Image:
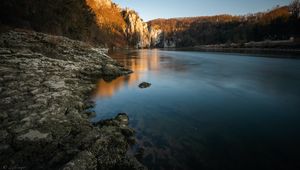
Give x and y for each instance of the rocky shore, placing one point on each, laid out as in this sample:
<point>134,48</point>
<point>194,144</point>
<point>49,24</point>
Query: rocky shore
<point>44,87</point>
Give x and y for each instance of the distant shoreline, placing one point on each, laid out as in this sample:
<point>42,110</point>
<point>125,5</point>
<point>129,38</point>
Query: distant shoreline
<point>274,52</point>
<point>246,49</point>
<point>278,52</point>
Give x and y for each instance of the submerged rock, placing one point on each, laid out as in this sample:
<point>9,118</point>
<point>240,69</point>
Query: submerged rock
<point>45,82</point>
<point>144,85</point>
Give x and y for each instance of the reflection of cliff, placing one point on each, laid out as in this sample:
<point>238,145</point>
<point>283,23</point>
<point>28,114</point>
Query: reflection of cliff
<point>141,63</point>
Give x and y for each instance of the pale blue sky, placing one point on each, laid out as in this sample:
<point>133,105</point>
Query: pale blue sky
<point>152,9</point>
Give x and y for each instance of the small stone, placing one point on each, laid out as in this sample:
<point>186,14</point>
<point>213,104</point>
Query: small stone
<point>144,85</point>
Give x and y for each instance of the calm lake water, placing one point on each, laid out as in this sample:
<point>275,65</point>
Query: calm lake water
<point>208,110</point>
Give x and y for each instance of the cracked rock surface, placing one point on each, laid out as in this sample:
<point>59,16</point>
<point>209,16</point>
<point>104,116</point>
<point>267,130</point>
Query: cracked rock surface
<point>44,87</point>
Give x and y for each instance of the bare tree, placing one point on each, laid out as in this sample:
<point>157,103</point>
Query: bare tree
<point>295,8</point>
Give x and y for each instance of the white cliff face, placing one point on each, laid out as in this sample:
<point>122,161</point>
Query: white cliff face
<point>155,36</point>
<point>137,30</point>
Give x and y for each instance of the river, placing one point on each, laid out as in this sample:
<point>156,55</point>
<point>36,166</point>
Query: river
<point>208,110</point>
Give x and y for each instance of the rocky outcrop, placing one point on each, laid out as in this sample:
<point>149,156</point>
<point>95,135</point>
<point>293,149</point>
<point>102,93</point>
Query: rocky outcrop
<point>155,36</point>
<point>99,22</point>
<point>44,84</point>
<point>136,30</point>
<point>139,33</point>
<point>125,21</point>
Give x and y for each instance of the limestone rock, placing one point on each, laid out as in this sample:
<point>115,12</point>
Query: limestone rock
<point>44,82</point>
<point>139,33</point>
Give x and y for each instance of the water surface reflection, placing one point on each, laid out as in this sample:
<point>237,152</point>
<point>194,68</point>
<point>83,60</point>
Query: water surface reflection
<point>208,110</point>
<point>139,63</point>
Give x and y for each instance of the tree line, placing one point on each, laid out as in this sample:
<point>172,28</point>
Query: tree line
<point>280,23</point>
<point>77,19</point>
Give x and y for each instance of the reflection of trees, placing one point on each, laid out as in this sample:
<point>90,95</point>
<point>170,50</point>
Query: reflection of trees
<point>140,63</point>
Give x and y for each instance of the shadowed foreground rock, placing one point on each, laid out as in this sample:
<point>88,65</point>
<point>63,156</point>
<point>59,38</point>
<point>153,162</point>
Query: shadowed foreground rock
<point>44,84</point>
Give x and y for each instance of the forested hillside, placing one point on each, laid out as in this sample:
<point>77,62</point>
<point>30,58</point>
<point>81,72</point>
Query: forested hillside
<point>71,18</point>
<point>280,23</point>
<point>110,22</point>
<point>104,23</point>
<point>98,22</point>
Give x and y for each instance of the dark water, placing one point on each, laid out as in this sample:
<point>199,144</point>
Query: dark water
<point>209,110</point>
